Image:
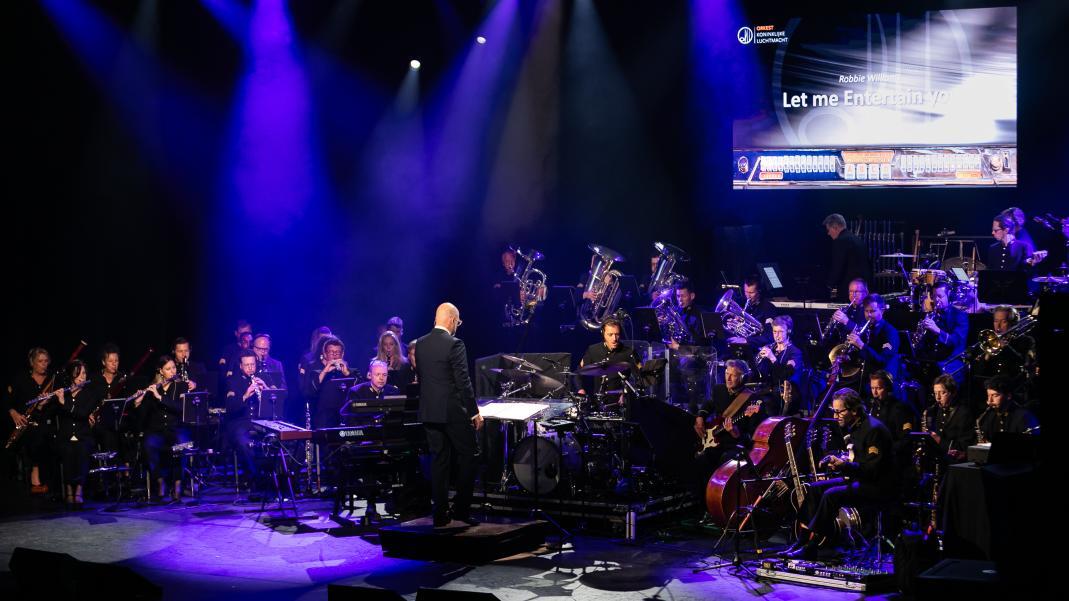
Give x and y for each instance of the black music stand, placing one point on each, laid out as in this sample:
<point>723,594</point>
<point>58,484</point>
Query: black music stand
<point>1002,287</point>
<point>272,400</point>
<point>195,408</point>
<point>646,325</point>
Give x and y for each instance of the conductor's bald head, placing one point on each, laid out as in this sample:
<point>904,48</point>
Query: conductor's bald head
<point>448,317</point>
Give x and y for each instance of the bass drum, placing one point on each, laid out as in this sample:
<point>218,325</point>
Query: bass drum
<point>553,460</point>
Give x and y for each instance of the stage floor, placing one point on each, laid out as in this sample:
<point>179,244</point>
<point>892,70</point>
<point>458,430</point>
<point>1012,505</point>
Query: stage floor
<point>221,549</point>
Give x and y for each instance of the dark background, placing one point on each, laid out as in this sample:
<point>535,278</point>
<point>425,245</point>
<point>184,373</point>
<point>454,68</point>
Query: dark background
<point>117,228</point>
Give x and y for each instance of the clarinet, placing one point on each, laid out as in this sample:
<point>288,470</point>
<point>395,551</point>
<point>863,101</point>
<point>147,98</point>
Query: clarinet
<point>979,433</point>
<point>308,445</point>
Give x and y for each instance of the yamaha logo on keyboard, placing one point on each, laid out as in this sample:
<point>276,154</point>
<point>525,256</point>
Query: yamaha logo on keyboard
<point>350,433</point>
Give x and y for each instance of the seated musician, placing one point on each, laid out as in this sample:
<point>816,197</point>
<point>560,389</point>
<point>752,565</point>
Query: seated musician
<point>108,385</point>
<point>852,316</point>
<point>243,390</point>
<point>869,475</point>
<point>188,369</point>
<point>763,311</point>
<point>74,435</point>
<point>1003,414</point>
<point>268,368</point>
<point>228,359</point>
<point>949,422</point>
<point>1013,359</point>
<point>782,362</point>
<point>609,351</point>
<point>739,425</point>
<point>391,352</point>
<point>327,401</point>
<point>376,387</point>
<point>315,348</point>
<point>160,412</point>
<point>1007,253</point>
<point>691,315</point>
<point>943,332</point>
<point>34,442</point>
<point>899,417</point>
<point>878,345</point>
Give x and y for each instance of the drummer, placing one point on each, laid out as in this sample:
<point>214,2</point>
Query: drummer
<point>608,353</point>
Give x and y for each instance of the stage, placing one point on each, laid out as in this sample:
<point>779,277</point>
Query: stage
<point>222,550</point>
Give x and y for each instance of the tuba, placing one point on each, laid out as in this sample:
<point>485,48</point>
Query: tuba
<point>662,293</point>
<point>602,293</point>
<point>735,318</point>
<point>532,289</point>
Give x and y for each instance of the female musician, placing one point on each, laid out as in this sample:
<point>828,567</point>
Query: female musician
<point>950,423</point>
<point>392,352</point>
<point>75,437</point>
<point>782,362</point>
<point>160,410</point>
<point>1007,253</point>
<point>28,385</point>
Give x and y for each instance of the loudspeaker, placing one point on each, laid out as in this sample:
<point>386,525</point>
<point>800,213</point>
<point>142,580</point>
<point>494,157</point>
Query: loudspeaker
<point>48,575</point>
<point>437,594</point>
<point>341,592</point>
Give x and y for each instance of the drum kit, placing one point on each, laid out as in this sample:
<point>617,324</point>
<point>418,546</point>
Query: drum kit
<point>920,280</point>
<point>563,446</point>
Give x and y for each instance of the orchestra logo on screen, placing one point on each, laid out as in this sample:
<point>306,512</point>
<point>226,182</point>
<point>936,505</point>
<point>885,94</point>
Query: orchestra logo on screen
<point>761,34</point>
<point>745,35</point>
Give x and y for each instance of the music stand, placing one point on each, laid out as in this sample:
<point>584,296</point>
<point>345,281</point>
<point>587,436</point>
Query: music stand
<point>713,326</point>
<point>646,325</point>
<point>272,400</point>
<point>195,408</point>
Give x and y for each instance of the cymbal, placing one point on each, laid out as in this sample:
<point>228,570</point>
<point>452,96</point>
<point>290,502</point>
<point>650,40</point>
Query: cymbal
<point>897,256</point>
<point>1051,279</point>
<point>889,273</point>
<point>603,369</point>
<point>538,381</point>
<point>521,362</point>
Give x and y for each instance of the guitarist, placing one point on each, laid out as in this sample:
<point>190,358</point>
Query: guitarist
<point>732,415</point>
<point>868,475</point>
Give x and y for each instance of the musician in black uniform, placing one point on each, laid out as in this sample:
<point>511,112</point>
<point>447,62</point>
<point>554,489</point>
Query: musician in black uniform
<point>763,311</point>
<point>1007,253</point>
<point>327,399</point>
<point>160,412</point>
<point>392,352</point>
<point>945,330</point>
<point>376,387</point>
<point>878,345</point>
<point>228,359</point>
<point>243,391</point>
<point>781,362</point>
<point>691,314</point>
<point>107,385</point>
<point>609,351</point>
<point>951,424</point>
<point>35,442</point>
<point>846,319</point>
<point>869,476</point>
<point>1014,358</point>
<point>449,414</point>
<point>849,257</point>
<point>74,437</point>
<point>188,370</point>
<point>1003,414</point>
<point>899,417</point>
<point>268,368</point>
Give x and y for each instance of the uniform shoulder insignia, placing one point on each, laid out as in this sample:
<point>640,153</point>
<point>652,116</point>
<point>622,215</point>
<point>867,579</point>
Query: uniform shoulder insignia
<point>907,426</point>
<point>874,450</point>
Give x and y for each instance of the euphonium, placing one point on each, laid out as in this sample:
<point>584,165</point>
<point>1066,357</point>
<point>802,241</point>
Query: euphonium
<point>847,356</point>
<point>532,285</point>
<point>662,290</point>
<point>735,318</point>
<point>602,293</point>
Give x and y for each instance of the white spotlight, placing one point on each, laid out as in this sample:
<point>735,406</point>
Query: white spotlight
<point>480,40</point>
<point>414,64</point>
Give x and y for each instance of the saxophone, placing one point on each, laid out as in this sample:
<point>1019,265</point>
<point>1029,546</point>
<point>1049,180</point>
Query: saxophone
<point>980,439</point>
